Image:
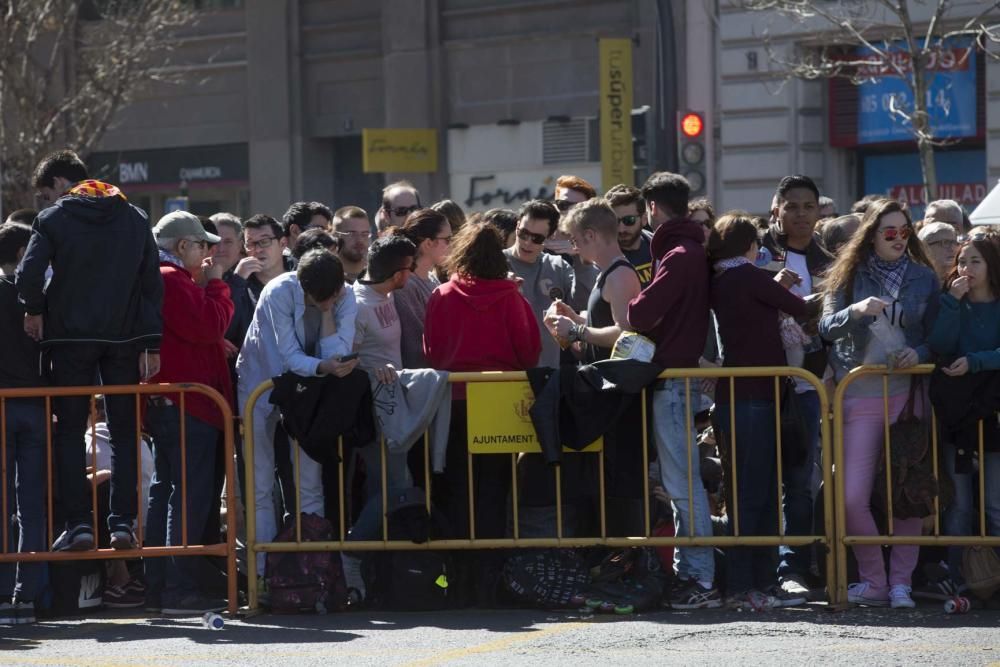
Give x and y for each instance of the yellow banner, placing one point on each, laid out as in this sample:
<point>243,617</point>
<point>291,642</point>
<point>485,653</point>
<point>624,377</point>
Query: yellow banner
<point>616,112</point>
<point>402,151</point>
<point>499,422</point>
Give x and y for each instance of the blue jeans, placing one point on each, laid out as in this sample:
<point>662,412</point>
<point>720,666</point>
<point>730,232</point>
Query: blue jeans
<point>797,502</point>
<point>959,515</point>
<point>756,492</point>
<point>25,440</point>
<point>670,420</point>
<point>176,576</point>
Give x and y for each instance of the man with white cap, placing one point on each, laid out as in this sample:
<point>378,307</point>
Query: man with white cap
<point>195,320</point>
<point>941,239</point>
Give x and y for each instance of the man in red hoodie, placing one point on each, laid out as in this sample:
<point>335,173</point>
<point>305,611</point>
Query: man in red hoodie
<point>673,312</point>
<point>195,320</point>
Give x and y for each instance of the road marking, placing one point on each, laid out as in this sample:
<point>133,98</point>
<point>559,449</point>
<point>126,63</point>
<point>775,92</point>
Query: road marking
<point>497,645</point>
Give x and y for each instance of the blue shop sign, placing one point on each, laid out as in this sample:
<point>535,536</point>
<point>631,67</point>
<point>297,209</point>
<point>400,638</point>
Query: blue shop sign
<point>951,96</point>
<point>961,176</point>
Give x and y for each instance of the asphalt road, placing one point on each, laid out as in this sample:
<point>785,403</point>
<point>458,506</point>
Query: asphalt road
<point>787,637</point>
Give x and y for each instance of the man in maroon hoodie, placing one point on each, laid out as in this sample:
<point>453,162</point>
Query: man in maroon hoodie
<point>673,312</point>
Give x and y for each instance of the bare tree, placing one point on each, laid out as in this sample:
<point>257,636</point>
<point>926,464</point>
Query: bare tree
<point>863,39</point>
<point>67,67</point>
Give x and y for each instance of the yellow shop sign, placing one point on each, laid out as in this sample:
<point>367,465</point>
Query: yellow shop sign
<point>400,151</point>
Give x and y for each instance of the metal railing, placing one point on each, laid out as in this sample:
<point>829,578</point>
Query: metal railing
<point>225,550</point>
<point>779,538</point>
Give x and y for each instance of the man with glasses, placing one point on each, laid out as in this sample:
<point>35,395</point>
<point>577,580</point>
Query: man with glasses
<point>633,240</point>
<point>195,320</point>
<point>99,315</point>
<point>303,215</point>
<point>941,239</point>
<point>399,200</point>
<point>353,229</point>
<point>545,277</point>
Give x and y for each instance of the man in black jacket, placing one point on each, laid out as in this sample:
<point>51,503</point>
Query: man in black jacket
<point>99,316</point>
<point>792,245</point>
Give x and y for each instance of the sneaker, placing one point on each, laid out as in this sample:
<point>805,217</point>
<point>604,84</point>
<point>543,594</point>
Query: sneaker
<point>899,597</point>
<point>17,613</point>
<point>193,605</point>
<point>782,598</point>
<point>943,589</point>
<point>795,585</point>
<point>859,594</point>
<point>78,538</point>
<point>123,538</point>
<point>124,597</point>
<point>695,596</point>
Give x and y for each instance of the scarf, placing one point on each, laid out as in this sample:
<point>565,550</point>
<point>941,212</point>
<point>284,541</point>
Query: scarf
<point>94,188</point>
<point>725,264</point>
<point>890,274</point>
<point>167,257</point>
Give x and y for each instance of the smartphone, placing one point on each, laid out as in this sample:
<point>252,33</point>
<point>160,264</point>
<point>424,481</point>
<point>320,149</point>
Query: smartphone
<point>348,357</point>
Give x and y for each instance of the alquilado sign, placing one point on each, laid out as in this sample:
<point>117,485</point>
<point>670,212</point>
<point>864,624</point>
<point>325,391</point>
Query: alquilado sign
<point>499,421</point>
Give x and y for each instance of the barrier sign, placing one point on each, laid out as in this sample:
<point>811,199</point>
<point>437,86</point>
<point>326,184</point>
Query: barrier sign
<point>401,151</point>
<point>499,422</point>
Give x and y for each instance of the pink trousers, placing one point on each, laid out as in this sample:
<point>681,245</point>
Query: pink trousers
<point>864,443</point>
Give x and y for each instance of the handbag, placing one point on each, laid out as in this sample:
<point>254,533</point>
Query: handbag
<point>981,570</point>
<point>795,436</point>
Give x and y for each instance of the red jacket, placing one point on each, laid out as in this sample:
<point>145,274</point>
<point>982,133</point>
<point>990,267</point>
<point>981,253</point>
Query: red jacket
<point>673,309</point>
<point>480,325</point>
<point>194,323</point>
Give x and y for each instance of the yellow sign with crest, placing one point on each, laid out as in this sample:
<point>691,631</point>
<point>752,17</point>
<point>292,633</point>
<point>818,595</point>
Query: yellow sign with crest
<point>499,421</point>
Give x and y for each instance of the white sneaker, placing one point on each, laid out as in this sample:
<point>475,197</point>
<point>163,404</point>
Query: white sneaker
<point>794,586</point>
<point>858,594</point>
<point>899,597</point>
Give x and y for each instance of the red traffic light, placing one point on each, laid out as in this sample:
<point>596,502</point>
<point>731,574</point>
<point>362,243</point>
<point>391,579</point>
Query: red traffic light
<point>692,125</point>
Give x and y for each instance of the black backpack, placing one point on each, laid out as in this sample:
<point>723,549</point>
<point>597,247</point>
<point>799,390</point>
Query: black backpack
<point>417,580</point>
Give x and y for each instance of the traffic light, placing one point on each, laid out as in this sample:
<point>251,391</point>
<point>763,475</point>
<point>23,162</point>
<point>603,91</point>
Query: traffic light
<point>691,149</point>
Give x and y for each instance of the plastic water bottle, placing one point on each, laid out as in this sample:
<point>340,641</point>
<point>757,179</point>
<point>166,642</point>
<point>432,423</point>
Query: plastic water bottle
<point>213,621</point>
<point>957,605</point>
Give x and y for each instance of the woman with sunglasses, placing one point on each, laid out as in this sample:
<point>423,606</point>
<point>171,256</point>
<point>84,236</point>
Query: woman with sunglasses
<point>430,231</point>
<point>883,278</point>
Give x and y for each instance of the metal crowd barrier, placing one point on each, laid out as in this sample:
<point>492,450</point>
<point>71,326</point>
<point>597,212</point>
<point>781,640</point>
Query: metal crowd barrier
<point>225,550</point>
<point>936,539</point>
<point>826,540</point>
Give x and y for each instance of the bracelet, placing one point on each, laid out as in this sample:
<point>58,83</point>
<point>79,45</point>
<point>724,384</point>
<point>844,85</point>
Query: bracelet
<point>577,332</point>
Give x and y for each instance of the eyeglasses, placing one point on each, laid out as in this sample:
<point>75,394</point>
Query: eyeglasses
<point>354,235</point>
<point>198,242</point>
<point>947,244</point>
<point>563,205</point>
<point>261,243</point>
<point>525,235</point>
<point>446,239</point>
<point>628,220</point>
<point>892,233</point>
<point>402,211</point>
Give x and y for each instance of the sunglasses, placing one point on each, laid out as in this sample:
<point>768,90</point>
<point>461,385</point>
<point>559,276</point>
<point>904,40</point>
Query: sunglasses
<point>563,205</point>
<point>628,220</point>
<point>402,211</point>
<point>525,235</point>
<point>892,233</point>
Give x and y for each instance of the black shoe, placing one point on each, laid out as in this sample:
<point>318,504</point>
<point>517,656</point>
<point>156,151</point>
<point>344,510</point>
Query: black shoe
<point>78,538</point>
<point>193,604</point>
<point>695,596</point>
<point>122,537</point>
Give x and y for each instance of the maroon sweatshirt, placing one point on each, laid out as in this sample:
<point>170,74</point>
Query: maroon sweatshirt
<point>673,309</point>
<point>746,301</point>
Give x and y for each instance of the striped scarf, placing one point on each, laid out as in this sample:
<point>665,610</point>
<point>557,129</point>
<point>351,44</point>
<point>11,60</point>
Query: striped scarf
<point>890,274</point>
<point>94,188</point>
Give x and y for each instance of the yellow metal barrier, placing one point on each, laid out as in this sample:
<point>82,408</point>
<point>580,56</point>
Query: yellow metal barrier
<point>226,550</point>
<point>687,375</point>
<point>843,539</point>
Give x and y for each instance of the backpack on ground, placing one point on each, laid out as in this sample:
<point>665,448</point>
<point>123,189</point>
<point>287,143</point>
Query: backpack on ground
<point>412,580</point>
<point>627,581</point>
<point>306,581</point>
<point>547,578</point>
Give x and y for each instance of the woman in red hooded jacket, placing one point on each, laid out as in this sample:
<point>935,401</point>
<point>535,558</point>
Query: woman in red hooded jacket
<point>478,321</point>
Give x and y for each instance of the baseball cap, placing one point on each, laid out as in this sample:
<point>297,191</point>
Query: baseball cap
<point>936,231</point>
<point>181,224</point>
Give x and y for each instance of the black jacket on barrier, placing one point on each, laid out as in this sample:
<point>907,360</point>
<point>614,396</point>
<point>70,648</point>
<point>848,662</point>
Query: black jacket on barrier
<point>318,410</point>
<point>576,406</point>
<point>959,403</point>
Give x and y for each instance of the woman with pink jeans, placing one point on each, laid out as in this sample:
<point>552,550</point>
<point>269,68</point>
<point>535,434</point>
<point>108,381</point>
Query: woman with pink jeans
<point>880,305</point>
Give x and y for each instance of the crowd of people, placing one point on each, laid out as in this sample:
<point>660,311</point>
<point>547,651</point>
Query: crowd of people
<point>381,307</point>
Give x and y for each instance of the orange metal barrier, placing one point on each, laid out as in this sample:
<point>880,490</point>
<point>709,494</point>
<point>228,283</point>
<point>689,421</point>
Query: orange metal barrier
<point>226,550</point>
<point>825,540</point>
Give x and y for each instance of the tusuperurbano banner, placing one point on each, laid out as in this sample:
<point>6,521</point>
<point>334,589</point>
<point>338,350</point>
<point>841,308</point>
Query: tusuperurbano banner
<point>616,112</point>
